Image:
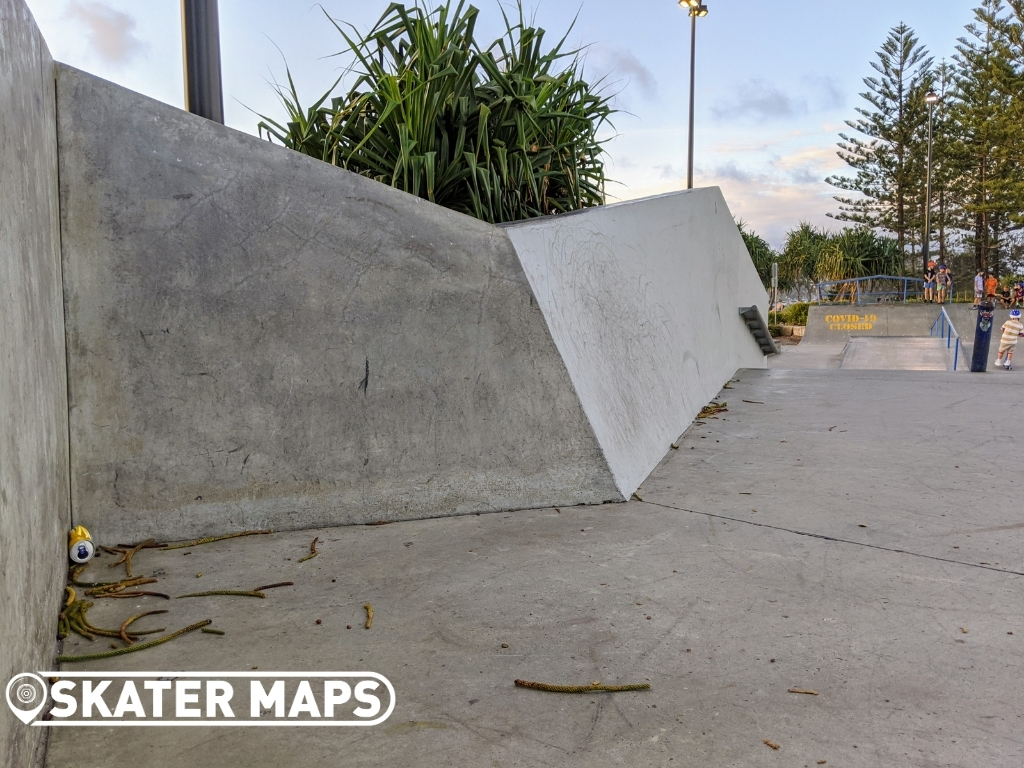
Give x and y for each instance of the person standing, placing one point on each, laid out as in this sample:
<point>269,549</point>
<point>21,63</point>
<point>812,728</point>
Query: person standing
<point>1013,329</point>
<point>929,282</point>
<point>979,287</point>
<point>991,286</point>
<point>943,280</point>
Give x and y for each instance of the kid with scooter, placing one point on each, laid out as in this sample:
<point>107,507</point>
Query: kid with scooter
<point>1012,330</point>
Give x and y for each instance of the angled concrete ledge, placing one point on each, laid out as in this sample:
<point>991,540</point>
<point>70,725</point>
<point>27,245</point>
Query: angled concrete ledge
<point>258,339</point>
<point>642,299</point>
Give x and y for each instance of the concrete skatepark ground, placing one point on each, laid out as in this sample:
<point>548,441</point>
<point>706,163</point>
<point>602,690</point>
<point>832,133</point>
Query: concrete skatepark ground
<point>879,535</point>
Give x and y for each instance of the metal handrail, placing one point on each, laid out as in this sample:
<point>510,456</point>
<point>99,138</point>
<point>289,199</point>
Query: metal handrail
<point>943,327</point>
<point>898,292</point>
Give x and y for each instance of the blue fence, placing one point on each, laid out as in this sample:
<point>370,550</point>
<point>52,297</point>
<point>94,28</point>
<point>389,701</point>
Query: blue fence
<point>943,327</point>
<point>871,290</point>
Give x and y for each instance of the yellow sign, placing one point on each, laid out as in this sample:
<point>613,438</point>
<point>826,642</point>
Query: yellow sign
<point>851,322</point>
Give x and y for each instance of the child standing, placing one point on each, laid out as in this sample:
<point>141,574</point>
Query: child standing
<point>1012,330</point>
<point>929,282</point>
<point>979,287</point>
<point>945,282</point>
<point>991,286</point>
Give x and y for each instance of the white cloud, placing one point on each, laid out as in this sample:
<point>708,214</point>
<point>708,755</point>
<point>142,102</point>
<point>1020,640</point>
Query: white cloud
<point>824,158</point>
<point>615,62</point>
<point>828,94</point>
<point>731,170</point>
<point>669,171</point>
<point>759,100</point>
<point>111,32</point>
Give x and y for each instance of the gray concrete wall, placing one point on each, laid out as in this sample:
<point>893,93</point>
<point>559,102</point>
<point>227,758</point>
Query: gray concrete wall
<point>258,339</point>
<point>643,300</point>
<point>34,512</point>
<point>831,324</point>
<point>965,321</point>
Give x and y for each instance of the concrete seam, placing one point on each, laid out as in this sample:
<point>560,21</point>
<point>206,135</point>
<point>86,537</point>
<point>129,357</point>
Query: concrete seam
<point>60,272</point>
<point>823,537</point>
<point>842,356</point>
<point>44,747</point>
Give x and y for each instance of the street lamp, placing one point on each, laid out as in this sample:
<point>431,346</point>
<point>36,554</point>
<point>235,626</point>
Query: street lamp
<point>931,99</point>
<point>696,9</point>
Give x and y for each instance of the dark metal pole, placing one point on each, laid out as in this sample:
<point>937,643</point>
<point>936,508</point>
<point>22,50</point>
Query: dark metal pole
<point>928,198</point>
<point>693,69</point>
<point>200,32</point>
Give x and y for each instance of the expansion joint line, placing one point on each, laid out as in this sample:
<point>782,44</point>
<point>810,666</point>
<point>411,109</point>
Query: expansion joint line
<point>835,539</point>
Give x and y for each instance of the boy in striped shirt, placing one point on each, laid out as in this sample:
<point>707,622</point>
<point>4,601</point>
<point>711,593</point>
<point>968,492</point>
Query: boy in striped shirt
<point>1012,330</point>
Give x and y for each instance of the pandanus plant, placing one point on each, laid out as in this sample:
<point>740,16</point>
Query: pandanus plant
<point>502,133</point>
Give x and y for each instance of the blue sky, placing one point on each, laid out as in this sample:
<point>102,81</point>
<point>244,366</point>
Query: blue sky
<point>775,80</point>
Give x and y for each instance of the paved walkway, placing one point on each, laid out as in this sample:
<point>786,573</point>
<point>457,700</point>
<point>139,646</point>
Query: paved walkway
<point>834,530</point>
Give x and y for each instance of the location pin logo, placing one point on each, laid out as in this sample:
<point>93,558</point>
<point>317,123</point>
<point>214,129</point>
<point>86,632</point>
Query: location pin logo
<point>26,695</point>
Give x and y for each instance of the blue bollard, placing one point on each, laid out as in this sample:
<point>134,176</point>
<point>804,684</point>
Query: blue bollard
<point>982,337</point>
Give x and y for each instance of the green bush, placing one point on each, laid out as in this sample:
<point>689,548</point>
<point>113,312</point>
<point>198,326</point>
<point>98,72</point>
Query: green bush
<point>775,330</point>
<point>501,131</point>
<point>760,253</point>
<point>795,314</point>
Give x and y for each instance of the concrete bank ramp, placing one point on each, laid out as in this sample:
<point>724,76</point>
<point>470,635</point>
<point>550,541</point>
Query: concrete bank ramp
<point>619,287</point>
<point>839,323</point>
<point>258,339</point>
<point>896,354</point>
<point>882,337</point>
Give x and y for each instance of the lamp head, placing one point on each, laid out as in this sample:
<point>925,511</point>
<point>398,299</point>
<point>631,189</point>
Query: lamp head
<point>931,98</point>
<point>695,7</point>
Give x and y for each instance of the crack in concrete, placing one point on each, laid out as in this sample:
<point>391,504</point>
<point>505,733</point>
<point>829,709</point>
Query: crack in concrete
<point>823,537</point>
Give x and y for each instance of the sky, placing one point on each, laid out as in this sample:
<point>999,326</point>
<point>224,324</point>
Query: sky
<point>775,80</point>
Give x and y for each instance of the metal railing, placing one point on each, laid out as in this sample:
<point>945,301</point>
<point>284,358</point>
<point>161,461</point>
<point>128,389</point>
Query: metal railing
<point>943,327</point>
<point>861,289</point>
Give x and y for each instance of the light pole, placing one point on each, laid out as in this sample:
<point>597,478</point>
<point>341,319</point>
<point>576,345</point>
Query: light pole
<point>931,99</point>
<point>200,30</point>
<point>696,8</point>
